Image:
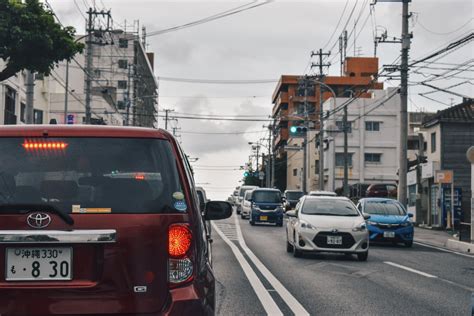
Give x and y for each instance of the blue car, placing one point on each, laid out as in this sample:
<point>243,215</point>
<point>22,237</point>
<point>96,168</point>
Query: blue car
<point>266,206</point>
<point>389,221</point>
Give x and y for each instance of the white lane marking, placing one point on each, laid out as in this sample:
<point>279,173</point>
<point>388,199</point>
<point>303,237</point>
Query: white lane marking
<point>411,270</point>
<point>443,249</point>
<point>267,301</point>
<point>289,299</point>
<point>467,288</point>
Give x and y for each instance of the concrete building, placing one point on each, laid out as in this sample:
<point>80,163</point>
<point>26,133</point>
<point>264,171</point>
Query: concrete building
<point>373,140</point>
<point>449,134</point>
<point>13,99</point>
<point>289,110</point>
<point>123,85</point>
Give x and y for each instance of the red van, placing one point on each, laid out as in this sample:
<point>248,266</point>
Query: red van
<point>100,221</point>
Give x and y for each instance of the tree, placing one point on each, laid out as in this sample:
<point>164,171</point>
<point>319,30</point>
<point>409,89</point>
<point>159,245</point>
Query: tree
<point>31,39</point>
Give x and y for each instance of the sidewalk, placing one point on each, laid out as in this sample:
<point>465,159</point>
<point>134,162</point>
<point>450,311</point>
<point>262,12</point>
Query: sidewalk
<point>443,239</point>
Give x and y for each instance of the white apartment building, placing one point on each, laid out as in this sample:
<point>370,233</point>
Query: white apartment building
<point>13,99</point>
<point>373,140</point>
<point>123,86</point>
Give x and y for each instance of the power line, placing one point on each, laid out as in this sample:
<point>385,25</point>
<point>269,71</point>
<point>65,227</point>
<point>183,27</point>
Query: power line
<point>216,81</point>
<point>217,119</point>
<point>445,33</point>
<point>337,25</point>
<point>217,16</point>
<point>219,133</point>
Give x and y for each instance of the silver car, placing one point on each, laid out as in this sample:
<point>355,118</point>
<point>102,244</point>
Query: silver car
<point>327,224</point>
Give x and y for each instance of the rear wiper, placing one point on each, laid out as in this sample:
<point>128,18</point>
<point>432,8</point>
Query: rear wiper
<point>5,208</point>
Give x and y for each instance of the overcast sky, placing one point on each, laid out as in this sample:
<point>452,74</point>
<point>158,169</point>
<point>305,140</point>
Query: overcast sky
<point>262,44</point>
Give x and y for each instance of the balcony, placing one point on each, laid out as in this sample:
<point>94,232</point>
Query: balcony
<point>281,99</point>
<point>281,137</point>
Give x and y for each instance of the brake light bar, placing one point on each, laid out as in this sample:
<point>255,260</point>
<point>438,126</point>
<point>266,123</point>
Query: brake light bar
<point>44,145</point>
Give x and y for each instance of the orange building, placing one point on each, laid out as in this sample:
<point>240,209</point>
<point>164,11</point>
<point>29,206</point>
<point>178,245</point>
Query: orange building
<point>289,99</point>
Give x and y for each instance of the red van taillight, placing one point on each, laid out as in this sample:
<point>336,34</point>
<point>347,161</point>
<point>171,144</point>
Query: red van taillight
<point>179,245</point>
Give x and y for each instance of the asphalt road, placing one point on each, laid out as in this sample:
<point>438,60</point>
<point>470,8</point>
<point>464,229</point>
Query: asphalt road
<point>256,276</point>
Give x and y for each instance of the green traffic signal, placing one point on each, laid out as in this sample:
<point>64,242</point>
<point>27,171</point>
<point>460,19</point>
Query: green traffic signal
<point>246,174</point>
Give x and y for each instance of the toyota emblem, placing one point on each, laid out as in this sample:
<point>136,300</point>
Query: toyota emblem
<point>38,220</point>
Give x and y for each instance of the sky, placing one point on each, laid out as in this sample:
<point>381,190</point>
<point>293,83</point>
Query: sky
<point>263,43</point>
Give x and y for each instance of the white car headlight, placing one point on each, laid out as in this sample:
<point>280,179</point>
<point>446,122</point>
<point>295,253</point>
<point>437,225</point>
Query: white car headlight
<point>360,227</point>
<point>405,224</point>
<point>372,223</point>
<point>306,225</point>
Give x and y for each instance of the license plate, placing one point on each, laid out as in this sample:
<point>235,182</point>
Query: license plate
<point>38,264</point>
<point>334,240</point>
<point>389,234</point>
<point>264,218</point>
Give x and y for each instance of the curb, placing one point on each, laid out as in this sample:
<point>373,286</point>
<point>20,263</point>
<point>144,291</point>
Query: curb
<point>460,246</point>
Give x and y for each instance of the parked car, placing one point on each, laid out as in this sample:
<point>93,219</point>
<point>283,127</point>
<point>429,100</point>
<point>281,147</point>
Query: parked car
<point>240,198</point>
<point>246,205</point>
<point>322,193</point>
<point>266,206</point>
<point>389,221</point>
<point>291,198</point>
<point>382,190</point>
<point>99,221</point>
<point>327,224</point>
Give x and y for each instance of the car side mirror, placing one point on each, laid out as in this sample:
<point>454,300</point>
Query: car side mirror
<point>366,216</point>
<point>216,210</point>
<point>291,214</point>
<point>410,214</point>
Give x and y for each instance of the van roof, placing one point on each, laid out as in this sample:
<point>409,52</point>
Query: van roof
<point>81,131</point>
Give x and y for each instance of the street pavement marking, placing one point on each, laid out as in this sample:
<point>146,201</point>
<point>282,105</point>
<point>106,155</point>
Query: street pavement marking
<point>289,299</point>
<point>445,250</point>
<point>467,288</point>
<point>267,301</point>
<point>411,270</point>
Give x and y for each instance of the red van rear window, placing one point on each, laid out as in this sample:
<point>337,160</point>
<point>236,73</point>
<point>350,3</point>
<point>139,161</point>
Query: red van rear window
<point>91,175</point>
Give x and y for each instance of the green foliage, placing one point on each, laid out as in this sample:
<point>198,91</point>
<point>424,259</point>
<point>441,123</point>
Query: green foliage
<point>31,39</point>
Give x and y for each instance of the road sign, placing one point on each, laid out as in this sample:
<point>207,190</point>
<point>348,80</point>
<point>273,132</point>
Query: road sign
<point>293,148</point>
<point>70,119</point>
<point>443,176</point>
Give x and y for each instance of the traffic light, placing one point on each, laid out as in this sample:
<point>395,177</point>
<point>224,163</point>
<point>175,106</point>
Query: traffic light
<point>298,131</point>
<point>246,174</point>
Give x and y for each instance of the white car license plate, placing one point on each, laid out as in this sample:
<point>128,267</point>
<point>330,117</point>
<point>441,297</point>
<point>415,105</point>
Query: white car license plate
<point>389,234</point>
<point>334,240</point>
<point>38,264</point>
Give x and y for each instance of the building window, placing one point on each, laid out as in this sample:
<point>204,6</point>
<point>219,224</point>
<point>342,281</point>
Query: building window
<point>37,117</point>
<point>340,159</point>
<point>123,43</point>
<point>23,112</point>
<point>123,63</point>
<point>372,126</point>
<point>433,142</point>
<point>340,126</point>
<point>295,172</point>
<point>97,73</point>
<point>413,144</point>
<point>122,84</point>
<point>299,108</point>
<point>121,105</point>
<point>316,166</point>
<point>372,158</point>
<point>10,100</point>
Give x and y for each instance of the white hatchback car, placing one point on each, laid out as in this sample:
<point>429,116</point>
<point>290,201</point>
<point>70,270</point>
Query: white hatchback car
<point>246,205</point>
<point>327,224</point>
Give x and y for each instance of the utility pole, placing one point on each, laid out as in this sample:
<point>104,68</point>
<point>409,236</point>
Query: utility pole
<point>66,94</point>
<point>321,115</point>
<point>166,117</point>
<point>406,38</point>
<point>88,66</point>
<point>419,189</point>
<point>127,115</point>
<point>88,71</point>
<point>346,156</point>
<point>30,95</point>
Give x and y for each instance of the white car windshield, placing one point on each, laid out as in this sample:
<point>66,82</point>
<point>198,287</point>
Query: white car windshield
<point>330,207</point>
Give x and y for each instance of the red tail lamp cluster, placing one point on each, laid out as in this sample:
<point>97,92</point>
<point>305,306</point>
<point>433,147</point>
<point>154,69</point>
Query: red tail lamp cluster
<point>180,270</point>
